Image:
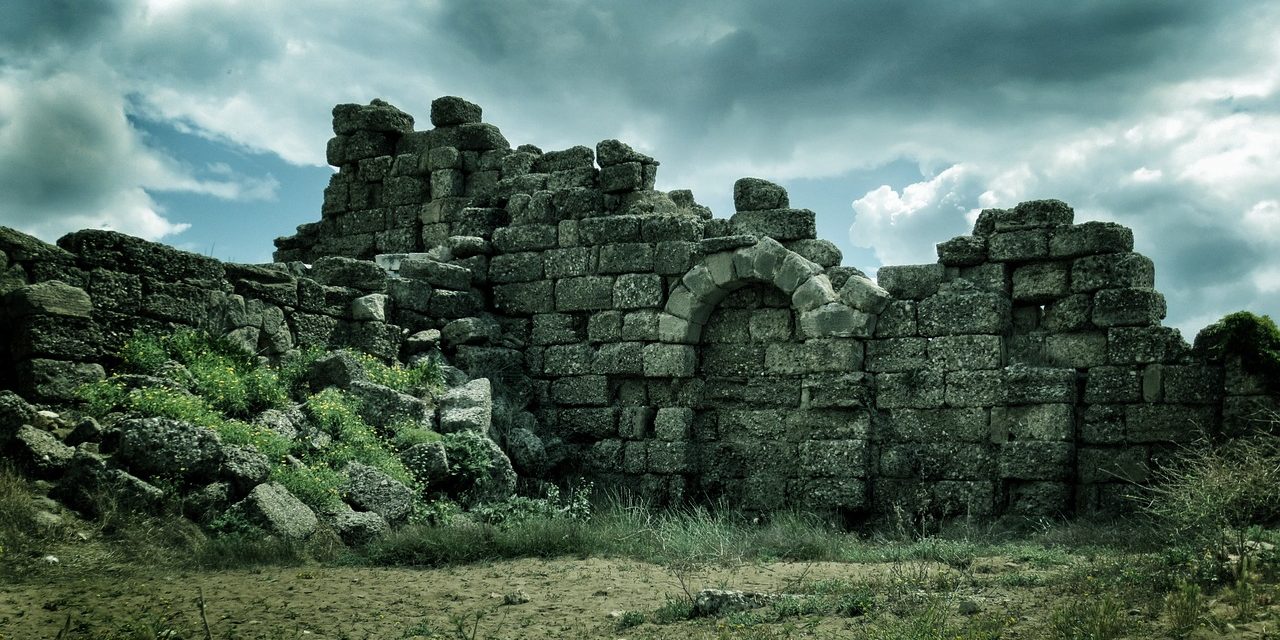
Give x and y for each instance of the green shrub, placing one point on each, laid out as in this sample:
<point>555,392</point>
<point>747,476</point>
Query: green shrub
<point>407,436</point>
<point>317,485</point>
<point>469,456</point>
<point>336,413</point>
<point>1254,339</point>
<point>425,376</point>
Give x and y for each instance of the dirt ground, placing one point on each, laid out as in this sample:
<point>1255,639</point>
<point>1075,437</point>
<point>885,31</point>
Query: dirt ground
<point>566,598</point>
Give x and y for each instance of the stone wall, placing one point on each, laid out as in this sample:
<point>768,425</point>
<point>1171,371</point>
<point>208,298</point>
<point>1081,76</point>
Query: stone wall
<point>687,357</point>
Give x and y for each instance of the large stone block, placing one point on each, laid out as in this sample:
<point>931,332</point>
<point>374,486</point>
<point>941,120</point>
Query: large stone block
<point>755,194</point>
<point>843,390</point>
<point>1018,246</point>
<point>1034,460</point>
<point>1103,424</point>
<point>910,282</point>
<point>593,422</point>
<point>1192,384</point>
<point>585,293</point>
<point>568,359</point>
<point>590,390</point>
<point>1039,385</point>
<point>915,389</point>
<point>836,320</point>
<point>896,354</point>
<point>1079,350</point>
<point>556,328</point>
<point>609,229</point>
<point>378,115</point>
<point>1112,384</point>
<point>969,424</point>
<point>45,380</point>
<point>737,360</point>
<point>834,458</point>
<point>780,224</point>
<point>1041,282</point>
<point>1041,422</point>
<point>620,358</point>
<point>1113,464</point>
<point>966,352</point>
<point>626,257</point>
<point>813,356</point>
<point>516,267</point>
<point>898,320</point>
<point>669,360</point>
<point>970,388</point>
<point>1144,345</point>
<point>1128,307</point>
<point>1070,313</point>
<point>1168,422</point>
<point>1034,214</point>
<point>531,237</point>
<point>964,310</point>
<point>1090,238</point>
<point>1111,271</point>
<point>962,251</point>
<point>937,461</point>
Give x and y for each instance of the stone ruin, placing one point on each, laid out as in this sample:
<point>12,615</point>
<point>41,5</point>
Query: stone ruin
<point>645,344</point>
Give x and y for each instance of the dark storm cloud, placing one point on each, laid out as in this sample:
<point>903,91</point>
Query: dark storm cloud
<point>37,26</point>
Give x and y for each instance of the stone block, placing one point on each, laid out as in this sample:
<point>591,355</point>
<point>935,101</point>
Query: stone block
<point>727,325</point>
<point>780,224</point>
<point>836,320</point>
<point>991,276</point>
<point>1103,424</point>
<point>1033,460</point>
<point>812,293</point>
<point>1042,422</point>
<point>45,380</point>
<point>516,267</point>
<point>556,328</point>
<point>669,360</point>
<point>890,355</point>
<point>1018,246</point>
<point>1113,464</point>
<point>937,461</point>
<point>1144,345</point>
<point>531,237</point>
<point>828,494</point>
<point>910,282</point>
<point>1090,238</point>
<point>584,293</point>
<point>438,274</point>
<point>619,359</point>
<point>1128,307</point>
<point>450,111</point>
<point>636,423</point>
<point>673,423</point>
<point>1039,499</point>
<point>671,228</point>
<point>969,388</point>
<point>968,424</point>
<point>609,229</point>
<point>843,390</point>
<point>1112,384</point>
<point>673,258</point>
<point>736,360</point>
<point>1079,350</point>
<point>1112,271</point>
<point>604,326</point>
<point>524,298</point>
<point>1192,384</point>
<point>590,390</point>
<point>593,422</point>
<point>813,356</point>
<point>568,262</point>
<point>864,295</point>
<point>676,329</point>
<point>962,251</point>
<point>1168,422</point>
<point>568,359</point>
<point>915,389</point>
<point>641,325</point>
<point>627,176</point>
<point>966,352</point>
<point>1071,313</point>
<point>1041,282</point>
<point>752,425</point>
<point>824,253</point>
<point>964,311</point>
<point>627,257</point>
<point>834,458</point>
<point>1039,385</point>
<point>755,194</point>
<point>897,320</point>
<point>769,325</point>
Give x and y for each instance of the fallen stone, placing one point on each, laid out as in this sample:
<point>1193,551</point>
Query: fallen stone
<point>169,448</point>
<point>272,507</point>
<point>369,489</point>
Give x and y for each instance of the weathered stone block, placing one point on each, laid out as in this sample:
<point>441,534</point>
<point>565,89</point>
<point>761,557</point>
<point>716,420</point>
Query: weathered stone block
<point>1043,499</point>
<point>1143,345</point>
<point>1041,282</point>
<point>1071,313</point>
<point>673,257</point>
<point>915,389</point>
<point>1033,422</point>
<point>769,325</point>
<point>937,461</point>
<point>604,326</point>
<point>450,111</point>
<point>990,276</point>
<point>896,354</point>
<point>609,229</point>
<point>1079,350</point>
<point>1167,422</point>
<point>967,388</point>
<point>524,298</point>
<point>732,359</point>
<point>962,251</point>
<point>590,390</point>
<point>910,282</point>
<point>1192,384</point>
<point>1039,385</point>
<point>1113,464</point>
<point>834,458</point>
<point>669,360</point>
<point>1127,307</point>
<point>676,329</point>
<point>1110,271</point>
<point>1032,460</point>
<point>845,390</point>
<point>962,310</point>
<point>1103,424</point>
<point>936,425</point>
<point>531,237</point>
<point>516,267</point>
<point>594,422</point>
<point>780,224</point>
<point>568,359</point>
<point>966,352</point>
<point>836,320</point>
<point>569,262</point>
<point>629,257</point>
<point>897,320</point>
<point>620,358</point>
<point>1016,246</point>
<point>1112,384</point>
<point>754,194</point>
<point>585,293</point>
<point>673,423</point>
<point>813,356</point>
<point>1090,238</point>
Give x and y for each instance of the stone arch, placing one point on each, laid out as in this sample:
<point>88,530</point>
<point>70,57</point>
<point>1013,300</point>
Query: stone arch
<point>800,432</point>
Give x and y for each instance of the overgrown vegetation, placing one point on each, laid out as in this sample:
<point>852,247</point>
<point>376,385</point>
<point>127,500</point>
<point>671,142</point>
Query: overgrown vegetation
<point>1252,338</point>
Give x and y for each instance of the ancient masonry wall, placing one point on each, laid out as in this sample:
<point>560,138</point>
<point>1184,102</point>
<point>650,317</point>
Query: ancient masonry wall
<point>652,346</point>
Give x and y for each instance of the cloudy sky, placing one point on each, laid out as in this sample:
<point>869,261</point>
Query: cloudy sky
<point>203,124</point>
